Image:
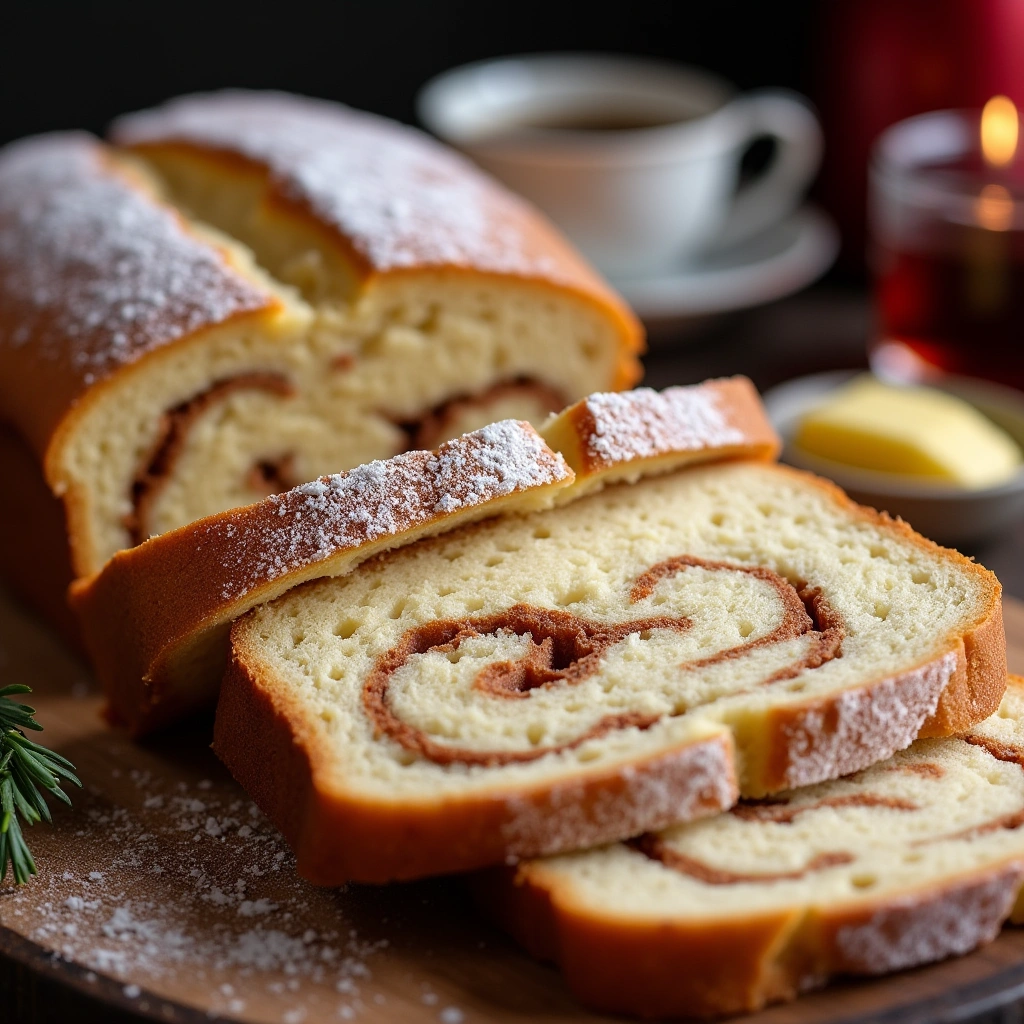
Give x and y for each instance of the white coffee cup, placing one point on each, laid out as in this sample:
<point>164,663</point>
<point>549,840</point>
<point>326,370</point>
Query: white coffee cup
<point>636,200</point>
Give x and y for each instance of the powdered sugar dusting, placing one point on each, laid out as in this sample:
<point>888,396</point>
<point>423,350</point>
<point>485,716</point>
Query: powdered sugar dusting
<point>93,273</point>
<point>916,931</point>
<point>686,784</point>
<point>378,500</point>
<point>400,198</point>
<point>644,423</point>
<point>865,725</point>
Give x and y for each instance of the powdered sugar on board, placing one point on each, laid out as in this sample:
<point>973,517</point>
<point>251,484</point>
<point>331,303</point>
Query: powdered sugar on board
<point>401,199</point>
<point>93,273</point>
<point>645,423</point>
<point>191,883</point>
<point>162,886</point>
<point>379,500</point>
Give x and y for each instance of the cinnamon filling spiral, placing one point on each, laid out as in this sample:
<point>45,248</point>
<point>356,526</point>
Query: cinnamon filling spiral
<point>565,649</point>
<point>175,426</point>
<point>276,472</point>
<point>782,811</point>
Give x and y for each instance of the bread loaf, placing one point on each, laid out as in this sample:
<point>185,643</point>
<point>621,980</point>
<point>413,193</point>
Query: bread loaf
<point>156,618</point>
<point>915,859</point>
<point>248,290</point>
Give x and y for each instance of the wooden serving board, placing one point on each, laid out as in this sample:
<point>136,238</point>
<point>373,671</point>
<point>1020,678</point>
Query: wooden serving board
<point>164,895</point>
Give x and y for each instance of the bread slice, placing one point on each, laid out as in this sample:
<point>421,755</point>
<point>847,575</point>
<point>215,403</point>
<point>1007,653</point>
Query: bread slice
<point>156,618</point>
<point>248,290</point>
<point>637,656</point>
<point>621,436</point>
<point>913,860</point>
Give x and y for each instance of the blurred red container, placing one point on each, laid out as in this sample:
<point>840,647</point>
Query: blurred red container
<point>947,251</point>
<point>881,61</point>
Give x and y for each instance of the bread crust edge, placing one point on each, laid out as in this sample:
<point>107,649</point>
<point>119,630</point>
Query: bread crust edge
<point>736,964</point>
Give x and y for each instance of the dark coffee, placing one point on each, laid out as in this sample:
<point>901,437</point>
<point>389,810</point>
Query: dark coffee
<point>595,121</point>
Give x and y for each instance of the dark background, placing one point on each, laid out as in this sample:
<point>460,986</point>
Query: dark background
<point>77,65</point>
<point>863,63</point>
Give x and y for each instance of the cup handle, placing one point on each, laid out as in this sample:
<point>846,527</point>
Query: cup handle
<point>777,190</point>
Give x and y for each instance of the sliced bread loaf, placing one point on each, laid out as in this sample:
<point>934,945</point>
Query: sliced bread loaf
<point>915,859</point>
<point>155,619</point>
<point>554,680</point>
<point>250,289</point>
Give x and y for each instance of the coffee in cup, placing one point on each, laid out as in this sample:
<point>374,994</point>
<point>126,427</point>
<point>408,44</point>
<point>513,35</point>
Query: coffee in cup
<point>637,160</point>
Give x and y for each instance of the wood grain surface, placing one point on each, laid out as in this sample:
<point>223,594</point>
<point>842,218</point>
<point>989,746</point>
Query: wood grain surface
<point>164,895</point>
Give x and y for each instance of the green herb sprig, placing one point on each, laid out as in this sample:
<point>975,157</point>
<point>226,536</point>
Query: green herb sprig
<point>26,769</point>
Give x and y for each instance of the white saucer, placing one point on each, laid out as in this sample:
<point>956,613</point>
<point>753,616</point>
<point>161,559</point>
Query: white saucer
<point>777,262</point>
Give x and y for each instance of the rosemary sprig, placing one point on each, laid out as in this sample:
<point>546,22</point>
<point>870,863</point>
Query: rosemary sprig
<point>26,769</point>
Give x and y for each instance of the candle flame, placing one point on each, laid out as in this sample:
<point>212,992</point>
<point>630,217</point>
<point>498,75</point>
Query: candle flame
<point>999,131</point>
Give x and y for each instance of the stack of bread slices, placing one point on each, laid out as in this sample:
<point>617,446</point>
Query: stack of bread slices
<point>705,731</point>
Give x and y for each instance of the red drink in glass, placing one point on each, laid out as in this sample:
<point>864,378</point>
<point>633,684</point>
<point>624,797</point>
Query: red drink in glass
<point>948,254</point>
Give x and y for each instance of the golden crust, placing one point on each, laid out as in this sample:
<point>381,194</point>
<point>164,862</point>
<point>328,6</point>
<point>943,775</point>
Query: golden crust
<point>978,689</point>
<point>69,324</point>
<point>610,437</point>
<point>665,970</point>
<point>71,329</point>
<point>732,965</point>
<point>736,964</point>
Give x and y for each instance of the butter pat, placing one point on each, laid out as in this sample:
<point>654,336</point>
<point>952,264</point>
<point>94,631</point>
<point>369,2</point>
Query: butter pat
<point>914,431</point>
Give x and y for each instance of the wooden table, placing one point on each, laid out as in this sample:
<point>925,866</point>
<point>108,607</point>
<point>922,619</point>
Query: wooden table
<point>164,895</point>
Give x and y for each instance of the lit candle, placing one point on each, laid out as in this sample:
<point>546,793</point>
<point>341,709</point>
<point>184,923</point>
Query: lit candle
<point>1000,129</point>
<point>947,221</point>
